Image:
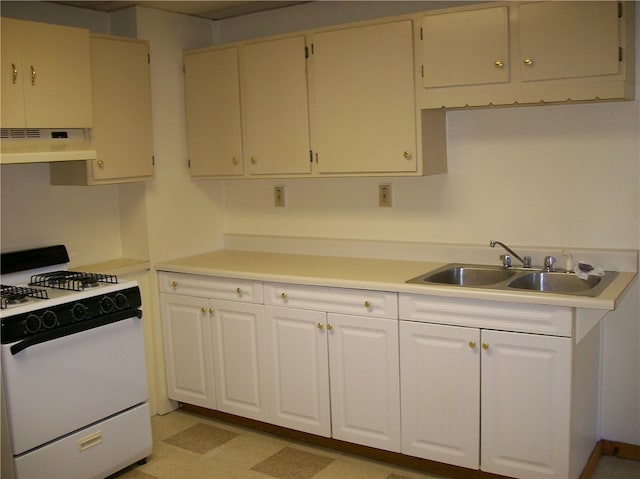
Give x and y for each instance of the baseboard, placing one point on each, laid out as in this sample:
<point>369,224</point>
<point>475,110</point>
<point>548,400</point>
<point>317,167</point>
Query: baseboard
<point>609,448</point>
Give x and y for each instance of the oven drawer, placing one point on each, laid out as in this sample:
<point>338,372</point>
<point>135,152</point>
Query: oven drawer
<point>211,287</point>
<point>94,452</point>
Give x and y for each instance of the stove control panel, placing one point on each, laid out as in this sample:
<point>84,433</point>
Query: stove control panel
<point>42,320</point>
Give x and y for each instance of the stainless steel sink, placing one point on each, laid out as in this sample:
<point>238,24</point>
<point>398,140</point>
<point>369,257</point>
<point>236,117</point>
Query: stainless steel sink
<point>561,282</point>
<point>510,279</point>
<point>465,275</point>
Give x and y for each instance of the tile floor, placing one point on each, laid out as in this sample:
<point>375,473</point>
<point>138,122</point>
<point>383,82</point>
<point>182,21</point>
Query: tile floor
<point>190,446</point>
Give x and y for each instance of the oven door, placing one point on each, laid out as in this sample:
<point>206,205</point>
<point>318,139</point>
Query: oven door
<point>63,384</point>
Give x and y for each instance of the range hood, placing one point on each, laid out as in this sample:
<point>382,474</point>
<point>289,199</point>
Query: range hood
<point>45,145</point>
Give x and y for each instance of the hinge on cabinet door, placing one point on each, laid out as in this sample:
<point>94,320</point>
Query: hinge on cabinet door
<point>310,156</point>
<point>189,163</point>
<point>306,51</point>
<point>316,158</point>
<point>421,38</point>
<point>620,54</point>
<point>312,49</point>
<point>422,71</point>
<point>153,160</point>
<point>619,9</point>
<point>184,68</point>
<point>149,58</point>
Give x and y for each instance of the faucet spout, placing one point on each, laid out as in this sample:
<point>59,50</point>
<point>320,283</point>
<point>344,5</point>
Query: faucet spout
<point>526,261</point>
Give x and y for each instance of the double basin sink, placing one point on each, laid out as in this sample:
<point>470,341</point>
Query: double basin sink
<point>523,279</point>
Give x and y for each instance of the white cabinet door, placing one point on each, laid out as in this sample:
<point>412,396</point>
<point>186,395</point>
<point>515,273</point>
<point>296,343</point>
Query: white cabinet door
<point>238,345</point>
<point>466,48</point>
<point>526,397</point>
<point>568,40</point>
<point>275,107</point>
<point>365,380</point>
<point>440,392</point>
<point>298,369</point>
<point>363,99</point>
<point>187,349</point>
<point>212,103</point>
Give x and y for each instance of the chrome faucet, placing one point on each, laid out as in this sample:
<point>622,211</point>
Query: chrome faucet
<point>526,261</point>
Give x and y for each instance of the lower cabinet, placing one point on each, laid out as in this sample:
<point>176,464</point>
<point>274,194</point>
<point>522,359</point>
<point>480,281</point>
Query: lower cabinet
<point>335,375</point>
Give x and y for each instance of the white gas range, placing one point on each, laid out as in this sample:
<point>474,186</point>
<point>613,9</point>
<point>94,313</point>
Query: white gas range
<point>73,368</point>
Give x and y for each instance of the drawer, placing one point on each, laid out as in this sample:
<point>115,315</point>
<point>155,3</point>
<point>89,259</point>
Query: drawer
<point>529,318</point>
<point>216,287</point>
<point>379,304</point>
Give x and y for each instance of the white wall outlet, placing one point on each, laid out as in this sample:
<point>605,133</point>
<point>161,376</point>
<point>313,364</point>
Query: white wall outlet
<point>279,196</point>
<point>385,196</point>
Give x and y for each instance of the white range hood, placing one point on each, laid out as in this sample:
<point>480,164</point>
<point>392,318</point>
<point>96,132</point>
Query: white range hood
<point>45,145</point>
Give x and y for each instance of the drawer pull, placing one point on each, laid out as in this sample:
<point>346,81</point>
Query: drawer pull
<point>367,304</point>
<point>283,295</point>
<point>89,441</point>
<point>174,284</point>
<point>238,291</point>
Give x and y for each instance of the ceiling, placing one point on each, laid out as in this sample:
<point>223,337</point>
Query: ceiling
<point>213,10</point>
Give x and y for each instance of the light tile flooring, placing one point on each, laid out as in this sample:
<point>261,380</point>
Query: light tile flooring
<point>190,446</point>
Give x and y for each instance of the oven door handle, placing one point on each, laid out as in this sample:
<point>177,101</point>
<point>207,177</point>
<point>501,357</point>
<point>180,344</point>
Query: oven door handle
<point>75,328</point>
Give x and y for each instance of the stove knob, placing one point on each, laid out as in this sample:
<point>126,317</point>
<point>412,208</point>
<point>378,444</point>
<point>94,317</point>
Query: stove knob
<point>33,323</point>
<point>121,301</point>
<point>106,304</point>
<point>49,319</point>
<point>79,311</point>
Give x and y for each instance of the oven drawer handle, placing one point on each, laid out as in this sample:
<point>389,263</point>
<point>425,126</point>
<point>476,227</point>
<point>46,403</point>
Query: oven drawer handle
<point>75,328</point>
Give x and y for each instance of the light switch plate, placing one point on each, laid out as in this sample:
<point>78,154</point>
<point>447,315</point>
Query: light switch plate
<point>279,196</point>
<point>385,196</point>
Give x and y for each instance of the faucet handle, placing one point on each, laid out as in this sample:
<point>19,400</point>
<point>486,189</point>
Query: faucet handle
<point>506,260</point>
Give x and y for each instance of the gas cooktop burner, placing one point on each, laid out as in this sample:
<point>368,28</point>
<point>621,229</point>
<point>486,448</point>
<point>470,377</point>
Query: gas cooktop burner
<point>14,295</point>
<point>71,280</point>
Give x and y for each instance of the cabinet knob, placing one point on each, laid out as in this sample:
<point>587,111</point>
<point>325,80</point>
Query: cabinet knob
<point>33,76</point>
<point>367,304</point>
<point>14,73</point>
<point>238,291</point>
<point>485,346</point>
<point>320,326</point>
<point>472,344</point>
<point>203,309</point>
<point>235,161</point>
<point>253,160</point>
<point>283,295</point>
<point>528,61</point>
<point>211,310</point>
<point>329,326</point>
<point>174,284</point>
<point>499,64</point>
<point>100,164</point>
<point>407,155</point>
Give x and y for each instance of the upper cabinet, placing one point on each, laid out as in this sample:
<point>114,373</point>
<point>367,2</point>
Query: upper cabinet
<point>213,112</point>
<point>363,99</point>
<point>275,107</point>
<point>46,76</point>
<point>122,128</point>
<point>527,53</point>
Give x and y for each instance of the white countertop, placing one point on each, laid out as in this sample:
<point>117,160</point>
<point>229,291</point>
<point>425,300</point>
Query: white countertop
<point>373,274</point>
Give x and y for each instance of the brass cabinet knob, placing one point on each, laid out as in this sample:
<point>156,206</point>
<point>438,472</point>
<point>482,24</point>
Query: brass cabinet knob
<point>14,76</point>
<point>528,61</point>
<point>100,164</point>
<point>472,344</point>
<point>485,346</point>
<point>283,295</point>
<point>203,309</point>
<point>253,160</point>
<point>407,155</point>
<point>174,284</point>
<point>33,75</point>
<point>235,160</point>
<point>320,326</point>
<point>211,310</point>
<point>367,304</point>
<point>238,291</point>
<point>499,64</point>
<point>329,326</point>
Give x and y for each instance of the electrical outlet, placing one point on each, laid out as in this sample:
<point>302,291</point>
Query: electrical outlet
<point>385,196</point>
<point>279,196</point>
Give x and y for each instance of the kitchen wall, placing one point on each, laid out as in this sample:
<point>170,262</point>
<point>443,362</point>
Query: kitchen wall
<point>565,176</point>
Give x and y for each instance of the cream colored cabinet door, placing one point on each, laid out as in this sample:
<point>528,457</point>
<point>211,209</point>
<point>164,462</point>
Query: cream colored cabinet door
<point>440,378</point>
<point>46,76</point>
<point>122,129</point>
<point>365,380</point>
<point>188,349</point>
<point>238,345</point>
<point>525,404</point>
<point>568,40</point>
<point>466,48</point>
<point>212,96</point>
<point>363,99</point>
<point>298,369</point>
<point>275,107</point>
